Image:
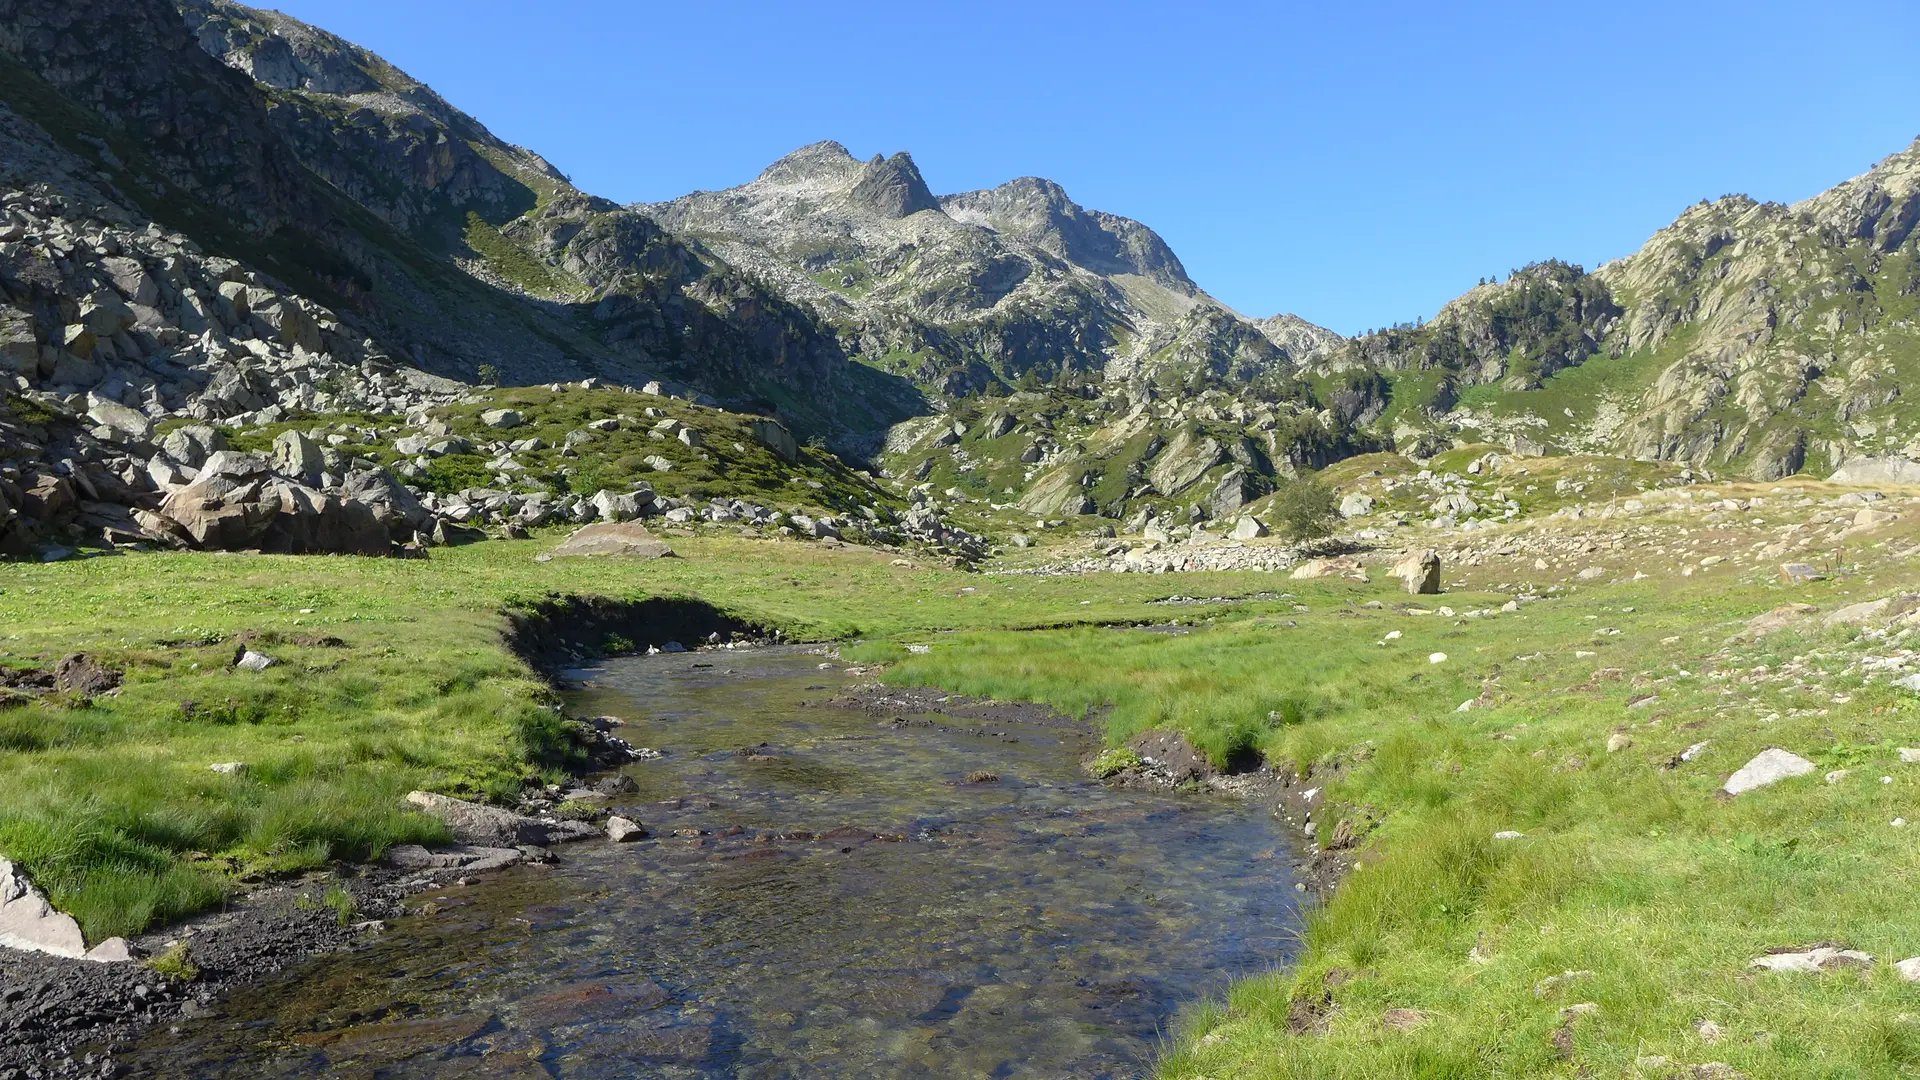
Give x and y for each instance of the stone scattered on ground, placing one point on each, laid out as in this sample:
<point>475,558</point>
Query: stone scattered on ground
<point>1815,961</point>
<point>253,661</point>
<point>621,830</point>
<point>1767,767</point>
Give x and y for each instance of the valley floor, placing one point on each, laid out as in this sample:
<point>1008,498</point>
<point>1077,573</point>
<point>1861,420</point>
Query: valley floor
<point>1526,771</point>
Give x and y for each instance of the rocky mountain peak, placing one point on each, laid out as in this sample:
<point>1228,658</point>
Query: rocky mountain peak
<point>1038,211</point>
<point>893,187</point>
<point>825,161</point>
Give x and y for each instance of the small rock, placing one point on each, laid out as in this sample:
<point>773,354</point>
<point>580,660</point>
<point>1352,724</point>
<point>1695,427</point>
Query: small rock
<point>1799,573</point>
<point>1403,1019</point>
<point>1837,775</point>
<point>1437,658</point>
<point>1618,741</point>
<point>1554,982</point>
<point>1767,767</point>
<point>1909,755</point>
<point>983,777</point>
<point>1707,1030</point>
<point>502,418</point>
<point>253,661</point>
<point>1509,834</point>
<point>229,768</point>
<point>1814,961</point>
<point>620,830</point>
<point>1908,969</point>
<point>114,950</point>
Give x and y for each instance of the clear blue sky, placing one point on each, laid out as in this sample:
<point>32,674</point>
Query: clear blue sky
<point>1355,163</point>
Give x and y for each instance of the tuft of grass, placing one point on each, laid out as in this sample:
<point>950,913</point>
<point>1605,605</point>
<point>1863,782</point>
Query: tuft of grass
<point>175,963</point>
<point>1113,760</point>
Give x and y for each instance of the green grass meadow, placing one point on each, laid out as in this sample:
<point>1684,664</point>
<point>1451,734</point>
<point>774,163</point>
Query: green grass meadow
<point>1633,869</point>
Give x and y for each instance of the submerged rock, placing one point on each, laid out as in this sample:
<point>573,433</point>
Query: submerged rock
<point>474,823</point>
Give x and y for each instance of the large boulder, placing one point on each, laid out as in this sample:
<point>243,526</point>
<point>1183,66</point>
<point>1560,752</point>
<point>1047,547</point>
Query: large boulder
<point>390,501</point>
<point>19,343</point>
<point>1419,571</point>
<point>28,921</point>
<point>131,423</point>
<point>775,436</point>
<point>237,503</point>
<point>191,445</point>
<point>614,538</point>
<point>297,456</point>
<point>618,506</point>
<point>1877,470</point>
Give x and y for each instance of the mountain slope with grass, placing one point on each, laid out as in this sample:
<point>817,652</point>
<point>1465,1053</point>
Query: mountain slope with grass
<point>1754,338</point>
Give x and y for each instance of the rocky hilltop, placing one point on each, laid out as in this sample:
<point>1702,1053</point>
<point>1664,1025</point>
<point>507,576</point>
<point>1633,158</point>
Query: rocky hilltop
<point>1013,286</point>
<point>1757,338</point>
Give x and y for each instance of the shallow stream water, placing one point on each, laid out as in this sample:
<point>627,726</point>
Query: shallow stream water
<point>825,895</point>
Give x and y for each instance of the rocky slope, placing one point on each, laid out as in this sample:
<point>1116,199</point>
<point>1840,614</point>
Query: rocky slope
<point>305,158</point>
<point>1757,338</point>
<point>1015,285</point>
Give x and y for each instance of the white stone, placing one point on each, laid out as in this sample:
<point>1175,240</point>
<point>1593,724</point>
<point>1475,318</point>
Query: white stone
<point>1814,961</point>
<point>620,830</point>
<point>253,661</point>
<point>1437,658</point>
<point>1509,834</point>
<point>28,921</point>
<point>229,768</point>
<point>1767,767</point>
<point>1908,969</point>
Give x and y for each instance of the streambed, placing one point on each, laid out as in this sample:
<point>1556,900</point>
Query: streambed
<point>829,891</point>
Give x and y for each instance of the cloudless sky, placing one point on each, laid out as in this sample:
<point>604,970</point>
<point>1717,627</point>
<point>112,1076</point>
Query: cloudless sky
<point>1357,163</point>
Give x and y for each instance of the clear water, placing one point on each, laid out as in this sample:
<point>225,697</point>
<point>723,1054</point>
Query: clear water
<point>1038,926</point>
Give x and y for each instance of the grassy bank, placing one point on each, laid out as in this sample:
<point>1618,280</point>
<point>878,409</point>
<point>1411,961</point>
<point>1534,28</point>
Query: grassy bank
<point>1600,722</point>
<point>1633,870</point>
<point>391,675</point>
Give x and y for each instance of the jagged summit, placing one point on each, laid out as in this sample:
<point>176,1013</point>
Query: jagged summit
<point>993,287</point>
<point>893,187</point>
